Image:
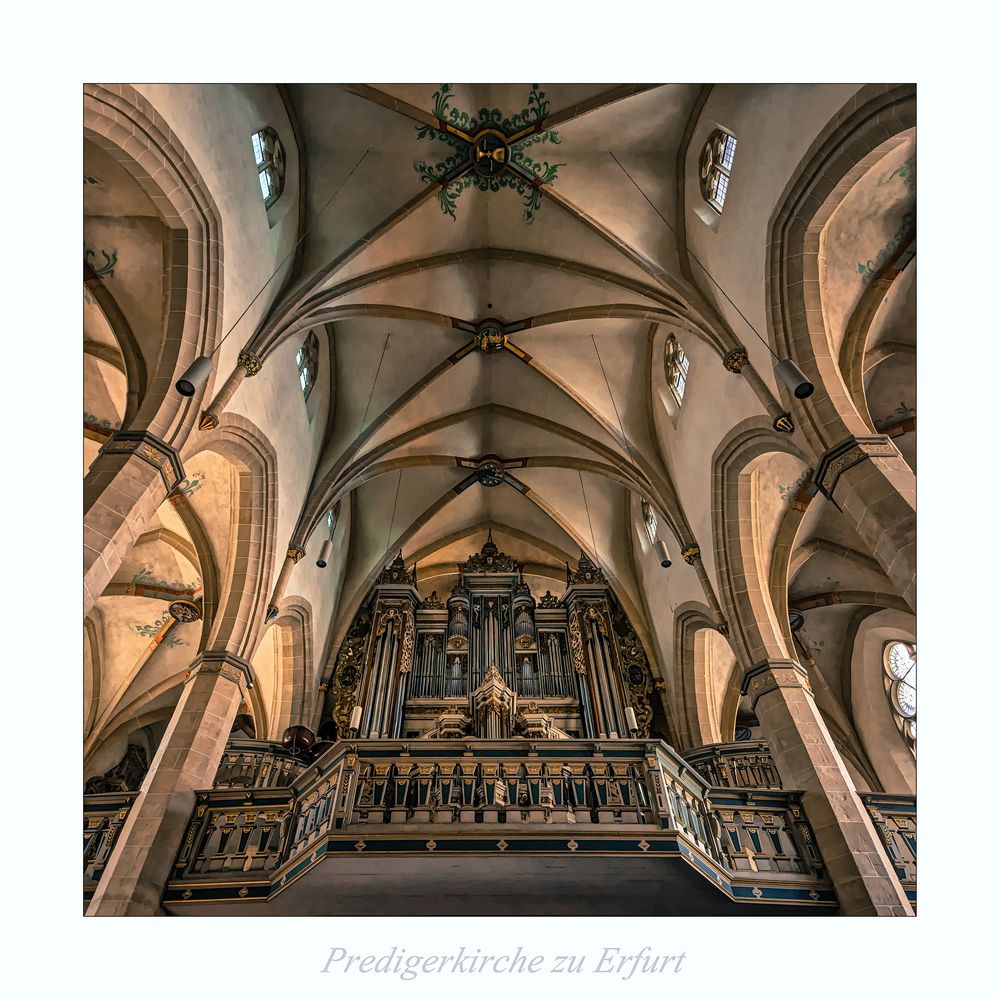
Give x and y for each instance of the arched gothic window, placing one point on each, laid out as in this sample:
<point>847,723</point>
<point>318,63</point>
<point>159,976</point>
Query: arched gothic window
<point>269,155</point>
<point>675,365</point>
<point>649,518</point>
<point>899,660</point>
<point>715,166</point>
<point>308,361</point>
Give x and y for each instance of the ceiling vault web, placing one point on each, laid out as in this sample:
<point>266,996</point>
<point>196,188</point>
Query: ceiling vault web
<point>483,285</point>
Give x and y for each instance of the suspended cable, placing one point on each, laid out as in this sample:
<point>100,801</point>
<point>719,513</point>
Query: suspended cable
<point>392,519</point>
<point>364,419</point>
<point>691,254</point>
<point>305,232</point>
<point>199,370</point>
<point>607,384</point>
<point>786,369</point>
<point>593,541</point>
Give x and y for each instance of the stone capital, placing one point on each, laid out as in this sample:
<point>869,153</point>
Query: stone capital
<point>691,554</point>
<point>735,360</point>
<point>770,675</point>
<point>849,453</point>
<point>295,552</point>
<point>250,363</point>
<point>228,665</point>
<point>150,449</point>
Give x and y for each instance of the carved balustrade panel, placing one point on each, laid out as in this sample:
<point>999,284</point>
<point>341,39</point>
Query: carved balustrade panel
<point>514,790</point>
<point>257,764</point>
<point>231,832</point>
<point>735,765</point>
<point>895,818</point>
<point>104,816</point>
<point>765,832</point>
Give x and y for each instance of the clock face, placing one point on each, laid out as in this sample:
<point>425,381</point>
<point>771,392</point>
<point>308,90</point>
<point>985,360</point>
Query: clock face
<point>489,153</point>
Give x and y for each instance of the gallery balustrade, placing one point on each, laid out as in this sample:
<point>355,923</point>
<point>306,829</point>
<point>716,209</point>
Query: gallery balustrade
<point>895,818</point>
<point>374,794</point>
<point>746,764</point>
<point>104,816</point>
<point>273,813</point>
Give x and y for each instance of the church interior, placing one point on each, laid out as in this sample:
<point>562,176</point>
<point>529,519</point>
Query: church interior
<point>499,499</point>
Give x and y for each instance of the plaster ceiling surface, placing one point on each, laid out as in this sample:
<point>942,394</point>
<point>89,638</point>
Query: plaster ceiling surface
<point>403,277</point>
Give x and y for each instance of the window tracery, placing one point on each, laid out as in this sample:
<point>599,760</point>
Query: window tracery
<point>715,166</point>
<point>307,360</point>
<point>269,155</point>
<point>899,661</point>
<point>675,366</point>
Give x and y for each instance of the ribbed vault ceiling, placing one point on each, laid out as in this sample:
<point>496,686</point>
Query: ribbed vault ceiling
<point>566,405</point>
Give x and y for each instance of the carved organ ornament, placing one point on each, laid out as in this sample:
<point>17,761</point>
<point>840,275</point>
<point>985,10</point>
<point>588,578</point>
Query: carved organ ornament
<point>490,662</point>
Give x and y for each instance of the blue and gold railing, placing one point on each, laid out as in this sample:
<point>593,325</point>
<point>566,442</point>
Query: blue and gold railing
<point>747,764</point>
<point>570,797</point>
<point>895,818</point>
<point>104,816</point>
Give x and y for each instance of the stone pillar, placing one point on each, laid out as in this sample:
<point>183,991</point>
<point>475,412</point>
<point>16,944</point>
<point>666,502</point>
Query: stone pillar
<point>247,365</point>
<point>868,479</point>
<point>129,479</point>
<point>187,759</point>
<point>807,761</point>
<point>738,362</point>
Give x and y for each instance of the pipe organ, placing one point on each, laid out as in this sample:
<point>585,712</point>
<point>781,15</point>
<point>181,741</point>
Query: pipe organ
<point>491,661</point>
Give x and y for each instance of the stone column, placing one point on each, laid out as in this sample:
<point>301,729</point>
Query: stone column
<point>247,365</point>
<point>691,554</point>
<point>129,479</point>
<point>868,479</point>
<point>807,761</point>
<point>738,362</point>
<point>187,759</point>
<point>292,556</point>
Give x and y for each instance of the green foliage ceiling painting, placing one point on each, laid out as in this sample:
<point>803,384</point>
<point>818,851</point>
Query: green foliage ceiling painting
<point>490,151</point>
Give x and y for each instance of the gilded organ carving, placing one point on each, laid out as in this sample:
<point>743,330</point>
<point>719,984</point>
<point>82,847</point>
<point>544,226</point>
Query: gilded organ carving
<point>490,661</point>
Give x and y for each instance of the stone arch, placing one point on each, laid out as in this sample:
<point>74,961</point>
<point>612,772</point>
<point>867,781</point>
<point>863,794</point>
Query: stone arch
<point>92,629</point>
<point>210,576</point>
<point>139,466</point>
<point>694,722</point>
<point>123,123</point>
<point>107,751</point>
<point>891,759</point>
<point>857,136</point>
<point>857,336</point>
<point>294,681</point>
<point>243,601</point>
<point>707,718</point>
<point>136,377</point>
<point>755,630</point>
<point>864,473</point>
